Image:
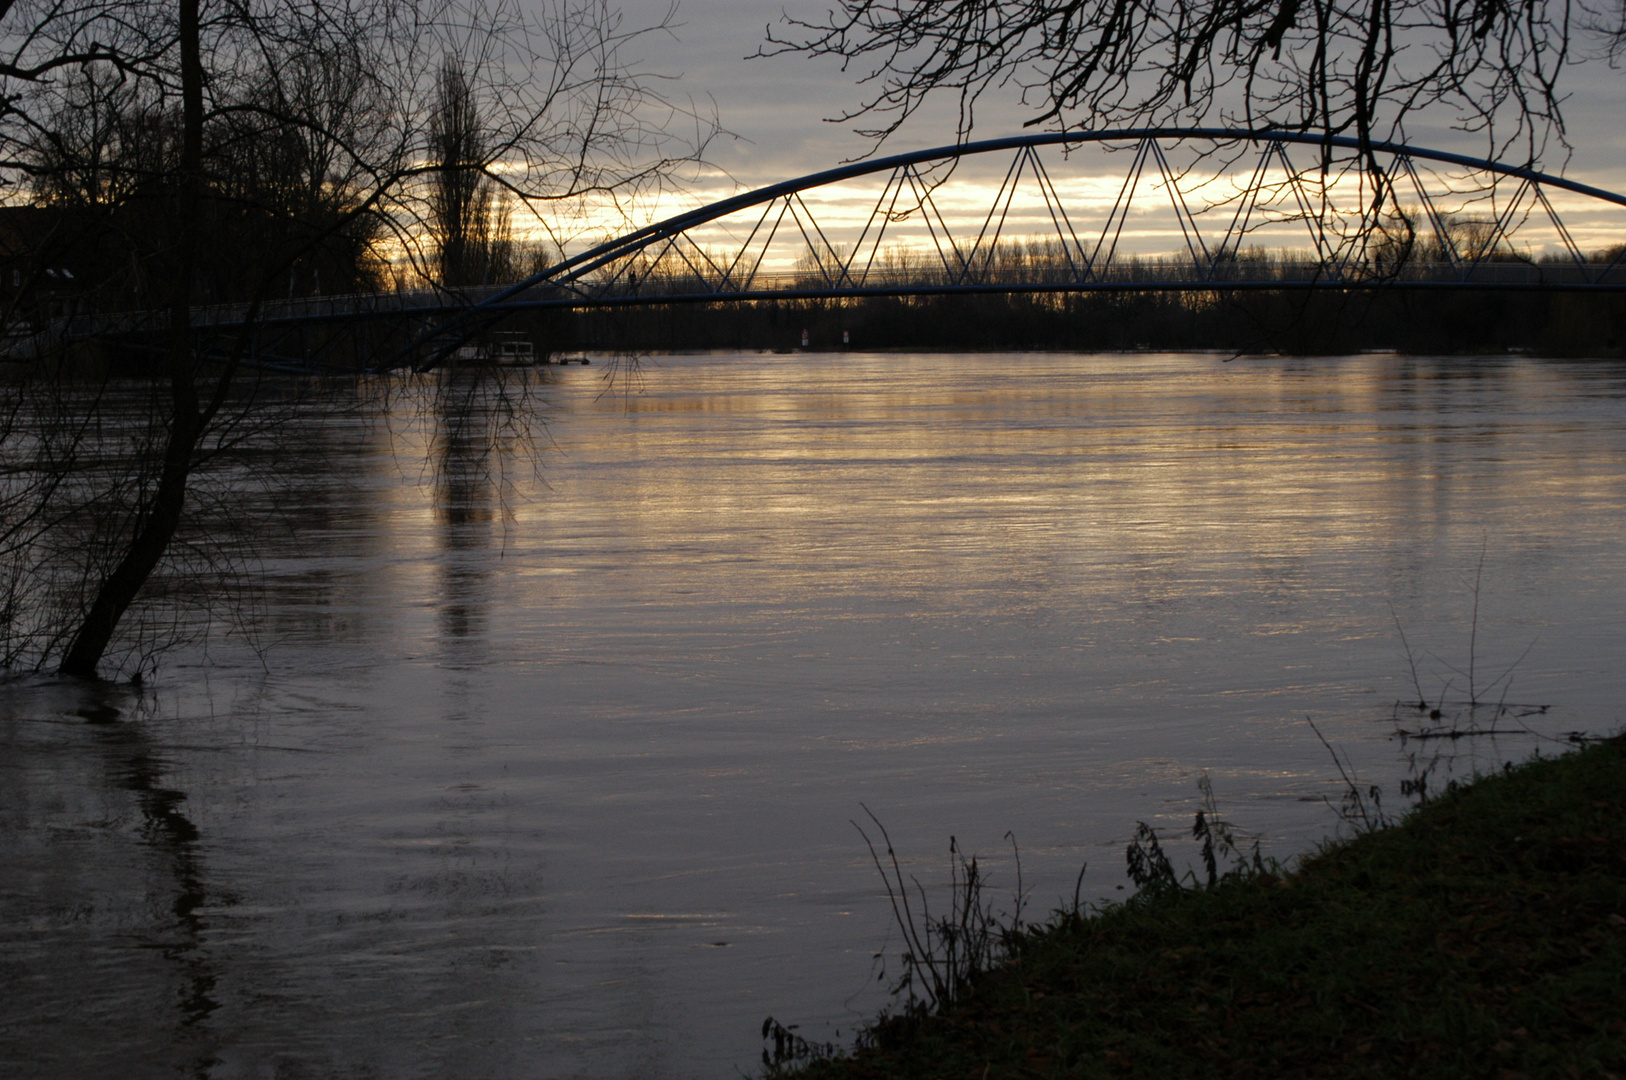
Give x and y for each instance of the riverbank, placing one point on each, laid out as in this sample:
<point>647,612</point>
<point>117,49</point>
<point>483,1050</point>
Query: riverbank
<point>1483,936</point>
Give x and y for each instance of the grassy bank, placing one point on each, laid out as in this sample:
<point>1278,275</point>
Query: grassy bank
<point>1484,936</point>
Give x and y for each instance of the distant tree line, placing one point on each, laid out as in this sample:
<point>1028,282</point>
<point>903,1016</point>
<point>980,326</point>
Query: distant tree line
<point>290,161</point>
<point>1401,315</point>
<point>1473,322</point>
<point>278,202</point>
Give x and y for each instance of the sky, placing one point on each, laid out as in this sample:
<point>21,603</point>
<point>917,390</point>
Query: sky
<point>778,111</point>
<point>778,106</point>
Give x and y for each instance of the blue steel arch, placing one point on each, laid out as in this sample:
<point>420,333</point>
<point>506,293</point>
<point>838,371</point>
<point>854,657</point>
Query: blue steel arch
<point>558,281</point>
<point>639,239</point>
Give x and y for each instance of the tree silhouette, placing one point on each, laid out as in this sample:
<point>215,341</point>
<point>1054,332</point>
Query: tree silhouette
<point>1360,69</point>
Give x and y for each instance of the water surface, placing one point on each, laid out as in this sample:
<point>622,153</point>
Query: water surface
<point>547,762</point>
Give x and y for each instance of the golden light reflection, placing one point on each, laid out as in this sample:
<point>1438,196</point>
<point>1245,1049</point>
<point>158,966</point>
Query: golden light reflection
<point>754,489</point>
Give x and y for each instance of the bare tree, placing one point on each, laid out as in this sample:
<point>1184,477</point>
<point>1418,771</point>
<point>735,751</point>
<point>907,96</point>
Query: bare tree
<point>470,222</point>
<point>300,137</point>
<point>460,192</point>
<point>1357,69</point>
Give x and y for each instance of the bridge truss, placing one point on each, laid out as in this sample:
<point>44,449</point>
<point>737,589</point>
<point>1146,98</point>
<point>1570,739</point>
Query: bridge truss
<point>1159,209</point>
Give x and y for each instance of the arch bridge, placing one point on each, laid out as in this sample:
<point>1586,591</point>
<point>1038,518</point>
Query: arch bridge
<point>1151,209</point>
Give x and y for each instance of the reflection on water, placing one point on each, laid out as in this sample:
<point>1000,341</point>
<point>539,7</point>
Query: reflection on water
<point>552,769</point>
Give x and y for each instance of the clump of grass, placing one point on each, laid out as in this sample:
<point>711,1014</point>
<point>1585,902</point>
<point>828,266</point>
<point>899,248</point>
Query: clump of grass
<point>790,1049</point>
<point>944,954</point>
<point>1486,702</point>
<point>1361,808</point>
<point>1149,868</point>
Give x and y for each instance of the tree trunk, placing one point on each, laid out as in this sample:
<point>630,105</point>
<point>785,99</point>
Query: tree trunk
<point>157,526</point>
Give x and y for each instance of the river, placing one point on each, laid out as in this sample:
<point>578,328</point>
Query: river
<point>542,756</point>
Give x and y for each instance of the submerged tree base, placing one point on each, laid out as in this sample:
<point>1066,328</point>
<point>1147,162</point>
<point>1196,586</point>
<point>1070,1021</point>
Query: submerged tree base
<point>1483,936</point>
